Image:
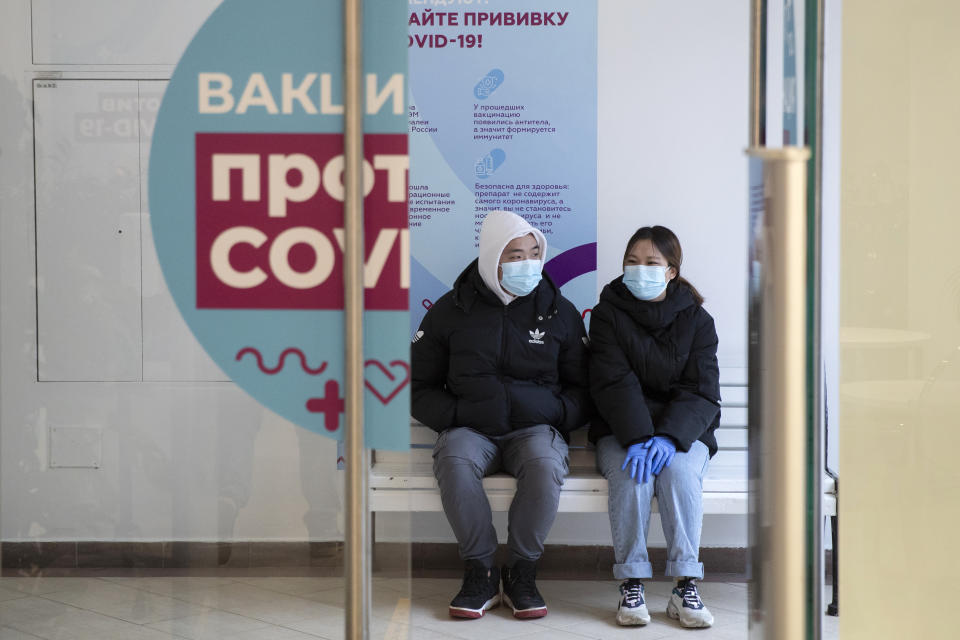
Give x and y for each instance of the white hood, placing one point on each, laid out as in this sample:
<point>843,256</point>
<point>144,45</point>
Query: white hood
<point>499,228</point>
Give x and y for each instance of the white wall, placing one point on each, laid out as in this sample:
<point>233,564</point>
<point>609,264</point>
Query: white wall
<point>199,460</point>
<point>830,249</point>
<point>672,131</point>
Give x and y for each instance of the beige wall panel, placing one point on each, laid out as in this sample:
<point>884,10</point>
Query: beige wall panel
<point>900,318</point>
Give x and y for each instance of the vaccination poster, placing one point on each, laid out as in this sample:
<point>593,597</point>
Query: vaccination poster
<point>246,200</point>
<point>502,115</point>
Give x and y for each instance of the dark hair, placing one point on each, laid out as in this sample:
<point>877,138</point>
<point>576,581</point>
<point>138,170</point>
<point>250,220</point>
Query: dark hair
<point>668,244</point>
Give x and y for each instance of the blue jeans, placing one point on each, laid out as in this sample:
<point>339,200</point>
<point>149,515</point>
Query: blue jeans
<point>679,492</point>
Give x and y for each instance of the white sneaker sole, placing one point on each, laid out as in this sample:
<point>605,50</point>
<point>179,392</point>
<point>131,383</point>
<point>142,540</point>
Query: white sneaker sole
<point>536,612</point>
<point>689,623</point>
<point>463,612</point>
<point>631,619</point>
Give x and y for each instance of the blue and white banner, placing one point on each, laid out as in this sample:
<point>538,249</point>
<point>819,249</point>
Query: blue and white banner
<point>503,115</point>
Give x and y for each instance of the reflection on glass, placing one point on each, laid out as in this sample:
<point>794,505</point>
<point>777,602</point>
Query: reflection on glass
<point>900,314</point>
<point>143,495</point>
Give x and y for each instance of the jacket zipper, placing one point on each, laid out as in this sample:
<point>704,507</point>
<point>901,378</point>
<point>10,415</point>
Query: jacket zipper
<point>503,357</point>
<point>503,340</point>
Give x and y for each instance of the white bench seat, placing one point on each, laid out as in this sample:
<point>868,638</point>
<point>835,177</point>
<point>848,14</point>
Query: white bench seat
<point>404,481</point>
<point>399,487</point>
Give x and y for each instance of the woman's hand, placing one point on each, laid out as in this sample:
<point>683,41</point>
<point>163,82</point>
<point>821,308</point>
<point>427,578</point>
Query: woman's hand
<point>637,461</point>
<point>660,452</point>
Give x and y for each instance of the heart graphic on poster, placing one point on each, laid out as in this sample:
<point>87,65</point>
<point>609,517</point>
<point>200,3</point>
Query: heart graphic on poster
<point>393,384</point>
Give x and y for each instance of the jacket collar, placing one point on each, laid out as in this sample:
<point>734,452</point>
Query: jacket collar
<point>650,315</point>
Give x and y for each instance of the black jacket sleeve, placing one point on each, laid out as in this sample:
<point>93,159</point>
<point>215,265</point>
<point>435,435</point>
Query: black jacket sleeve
<point>572,369</point>
<point>695,398</point>
<point>614,385</point>
<point>431,402</point>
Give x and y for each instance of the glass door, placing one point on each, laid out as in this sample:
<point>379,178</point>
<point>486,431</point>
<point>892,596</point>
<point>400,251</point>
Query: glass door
<point>153,487</point>
<point>899,321</point>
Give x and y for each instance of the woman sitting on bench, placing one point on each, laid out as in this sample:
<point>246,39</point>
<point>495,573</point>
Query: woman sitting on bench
<point>655,381</point>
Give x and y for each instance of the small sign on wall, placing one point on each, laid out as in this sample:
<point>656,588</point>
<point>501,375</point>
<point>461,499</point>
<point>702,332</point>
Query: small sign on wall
<point>75,447</point>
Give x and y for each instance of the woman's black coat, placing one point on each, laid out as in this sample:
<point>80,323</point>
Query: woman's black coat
<point>653,368</point>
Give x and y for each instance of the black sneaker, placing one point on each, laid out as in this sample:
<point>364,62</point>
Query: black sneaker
<point>686,606</point>
<point>480,591</point>
<point>520,590</point>
<point>632,609</point>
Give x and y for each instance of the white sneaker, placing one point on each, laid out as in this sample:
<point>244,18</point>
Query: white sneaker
<point>685,605</point>
<point>632,609</point>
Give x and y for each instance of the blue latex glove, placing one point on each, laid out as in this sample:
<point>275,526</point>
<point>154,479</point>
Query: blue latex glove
<point>660,452</point>
<point>636,463</point>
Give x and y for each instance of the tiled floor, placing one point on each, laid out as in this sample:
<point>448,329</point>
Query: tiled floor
<point>292,608</point>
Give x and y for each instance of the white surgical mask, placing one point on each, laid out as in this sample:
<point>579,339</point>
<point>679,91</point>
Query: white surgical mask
<point>645,282</point>
<point>521,277</point>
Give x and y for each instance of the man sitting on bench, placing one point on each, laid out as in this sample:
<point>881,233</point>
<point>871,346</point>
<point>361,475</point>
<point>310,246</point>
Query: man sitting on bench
<point>499,370</point>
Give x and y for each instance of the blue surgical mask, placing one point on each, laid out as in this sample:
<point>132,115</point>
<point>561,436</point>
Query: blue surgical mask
<point>645,282</point>
<point>521,277</point>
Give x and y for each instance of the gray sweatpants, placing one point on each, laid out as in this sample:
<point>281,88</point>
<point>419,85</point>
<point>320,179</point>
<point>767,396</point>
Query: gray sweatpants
<point>536,456</point>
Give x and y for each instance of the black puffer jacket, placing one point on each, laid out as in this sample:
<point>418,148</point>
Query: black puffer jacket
<point>653,368</point>
<point>495,368</point>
